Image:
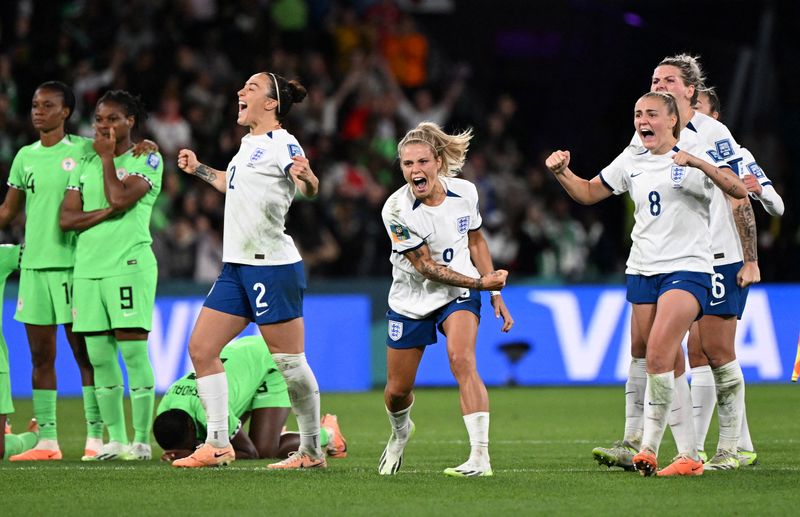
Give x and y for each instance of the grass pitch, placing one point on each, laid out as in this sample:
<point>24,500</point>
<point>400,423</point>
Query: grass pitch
<point>541,441</point>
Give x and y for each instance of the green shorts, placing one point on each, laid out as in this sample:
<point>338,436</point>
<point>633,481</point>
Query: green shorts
<point>272,392</point>
<point>6,405</point>
<point>45,297</point>
<point>116,302</point>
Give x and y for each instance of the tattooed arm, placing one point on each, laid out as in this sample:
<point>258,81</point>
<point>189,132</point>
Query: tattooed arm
<point>746,226</point>
<point>421,259</point>
<point>187,162</point>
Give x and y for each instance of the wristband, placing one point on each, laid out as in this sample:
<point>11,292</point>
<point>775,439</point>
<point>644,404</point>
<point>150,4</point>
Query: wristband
<point>494,293</point>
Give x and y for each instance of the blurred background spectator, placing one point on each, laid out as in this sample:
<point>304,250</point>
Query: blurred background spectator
<point>528,76</point>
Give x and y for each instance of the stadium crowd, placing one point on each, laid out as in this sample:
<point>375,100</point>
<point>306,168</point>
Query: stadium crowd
<point>372,73</point>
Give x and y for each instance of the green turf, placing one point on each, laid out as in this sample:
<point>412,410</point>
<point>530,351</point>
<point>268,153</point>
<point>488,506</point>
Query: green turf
<point>541,455</point>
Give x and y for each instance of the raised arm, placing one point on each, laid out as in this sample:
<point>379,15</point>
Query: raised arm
<point>585,192</point>
<point>726,181</point>
<point>303,176</point>
<point>479,253</point>
<point>187,162</point>
<point>769,197</point>
<point>73,217</point>
<point>422,261</point>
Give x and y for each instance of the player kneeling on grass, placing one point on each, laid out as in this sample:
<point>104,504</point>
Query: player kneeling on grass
<point>12,444</point>
<point>256,390</point>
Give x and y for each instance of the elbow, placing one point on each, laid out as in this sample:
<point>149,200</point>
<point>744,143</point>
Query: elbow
<point>65,224</point>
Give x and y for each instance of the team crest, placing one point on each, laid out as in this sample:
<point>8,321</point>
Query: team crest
<point>677,173</point>
<point>724,148</point>
<point>20,304</point>
<point>257,154</point>
<point>294,150</point>
<point>68,164</point>
<point>122,174</point>
<point>395,330</point>
<point>755,170</point>
<point>462,224</point>
<point>399,232</point>
<point>153,161</point>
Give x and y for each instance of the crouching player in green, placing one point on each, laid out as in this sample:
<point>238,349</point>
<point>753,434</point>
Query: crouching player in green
<point>13,443</point>
<point>256,390</point>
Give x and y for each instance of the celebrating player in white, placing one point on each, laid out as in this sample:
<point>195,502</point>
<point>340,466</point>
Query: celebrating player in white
<point>262,279</point>
<point>710,351</point>
<point>682,77</point>
<point>440,263</point>
<point>669,267</point>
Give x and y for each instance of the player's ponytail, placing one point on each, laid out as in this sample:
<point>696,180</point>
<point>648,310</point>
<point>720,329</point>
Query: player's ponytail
<point>451,148</point>
<point>287,93</point>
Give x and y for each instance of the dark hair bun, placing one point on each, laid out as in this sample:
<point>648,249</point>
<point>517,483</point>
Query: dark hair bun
<point>297,90</point>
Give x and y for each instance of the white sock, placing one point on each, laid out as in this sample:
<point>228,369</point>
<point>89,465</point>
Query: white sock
<point>680,418</point>
<point>730,404</point>
<point>47,445</point>
<point>704,398</point>
<point>657,404</point>
<point>478,431</point>
<point>213,393</point>
<point>745,442</point>
<point>634,400</point>
<point>94,444</point>
<point>399,420</point>
<point>304,394</point>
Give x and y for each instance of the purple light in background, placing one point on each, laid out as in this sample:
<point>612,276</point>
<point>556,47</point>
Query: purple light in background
<point>633,19</point>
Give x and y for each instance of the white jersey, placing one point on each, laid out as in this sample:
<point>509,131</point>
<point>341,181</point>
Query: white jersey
<point>671,214</point>
<point>444,228</point>
<point>713,142</point>
<point>260,191</point>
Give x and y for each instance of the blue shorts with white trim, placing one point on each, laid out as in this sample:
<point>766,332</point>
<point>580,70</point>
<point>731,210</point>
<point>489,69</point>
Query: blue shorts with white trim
<point>647,289</point>
<point>404,332</point>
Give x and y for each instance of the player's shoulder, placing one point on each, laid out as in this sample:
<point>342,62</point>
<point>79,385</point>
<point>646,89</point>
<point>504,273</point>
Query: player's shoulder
<point>459,186</point>
<point>400,202</point>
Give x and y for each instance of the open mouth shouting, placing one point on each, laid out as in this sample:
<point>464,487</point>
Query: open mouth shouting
<point>647,135</point>
<point>420,184</point>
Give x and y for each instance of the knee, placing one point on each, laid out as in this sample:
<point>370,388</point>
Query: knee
<point>462,365</point>
<point>396,393</point>
<point>43,355</point>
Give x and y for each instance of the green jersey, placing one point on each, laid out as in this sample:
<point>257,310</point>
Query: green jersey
<point>42,174</point>
<point>119,245</point>
<point>247,364</point>
<point>9,262</point>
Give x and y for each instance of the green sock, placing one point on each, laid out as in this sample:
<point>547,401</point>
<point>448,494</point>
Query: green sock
<point>141,382</point>
<point>44,409</point>
<point>109,388</point>
<point>94,423</point>
<point>19,443</point>
<point>324,437</point>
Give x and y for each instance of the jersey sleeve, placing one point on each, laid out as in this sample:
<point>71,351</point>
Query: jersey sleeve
<point>285,152</point>
<point>16,177</point>
<point>752,167</point>
<point>150,168</point>
<point>476,221</point>
<point>614,175</point>
<point>723,148</point>
<point>74,182</point>
<point>404,237</point>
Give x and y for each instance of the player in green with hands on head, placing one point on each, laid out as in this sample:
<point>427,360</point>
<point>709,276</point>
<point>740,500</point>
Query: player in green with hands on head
<point>37,180</point>
<point>256,390</point>
<point>109,201</point>
<point>12,444</point>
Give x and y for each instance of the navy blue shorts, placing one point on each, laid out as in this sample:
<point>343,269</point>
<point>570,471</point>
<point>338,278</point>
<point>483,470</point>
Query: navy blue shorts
<point>404,332</point>
<point>727,298</point>
<point>263,294</point>
<point>647,289</point>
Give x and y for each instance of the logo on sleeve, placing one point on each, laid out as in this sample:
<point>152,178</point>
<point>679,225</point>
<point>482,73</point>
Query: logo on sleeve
<point>462,224</point>
<point>755,170</point>
<point>714,155</point>
<point>399,232</point>
<point>724,148</point>
<point>677,173</point>
<point>122,174</point>
<point>153,160</point>
<point>68,164</point>
<point>395,330</point>
<point>294,150</point>
<point>257,154</point>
